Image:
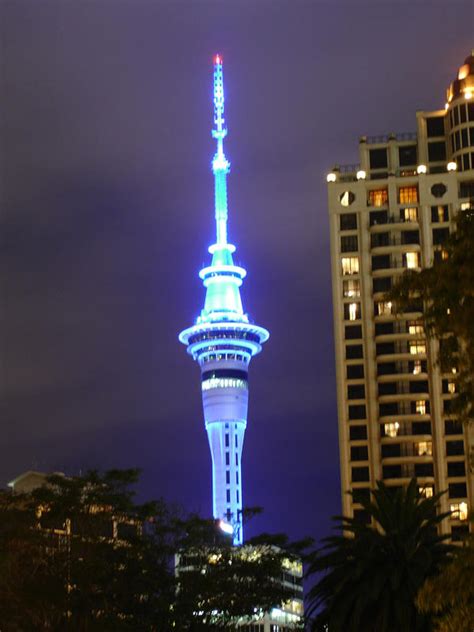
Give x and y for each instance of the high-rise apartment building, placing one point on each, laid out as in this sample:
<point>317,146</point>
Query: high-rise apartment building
<point>393,212</point>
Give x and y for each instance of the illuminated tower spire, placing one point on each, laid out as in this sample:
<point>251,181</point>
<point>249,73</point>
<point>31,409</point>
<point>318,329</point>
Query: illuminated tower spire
<point>223,341</point>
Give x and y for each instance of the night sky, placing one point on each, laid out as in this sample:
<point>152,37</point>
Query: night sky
<point>106,200</point>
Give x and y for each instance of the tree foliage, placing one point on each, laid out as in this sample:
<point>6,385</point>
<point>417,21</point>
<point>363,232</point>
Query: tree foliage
<point>81,554</point>
<point>450,595</point>
<point>447,292</point>
<point>368,576</point>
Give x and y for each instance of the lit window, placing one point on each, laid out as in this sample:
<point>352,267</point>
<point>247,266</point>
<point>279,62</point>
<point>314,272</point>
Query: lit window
<point>408,195</point>
<point>410,214</point>
<point>415,328</point>
<point>351,288</point>
<point>384,308</point>
<point>424,448</point>
<point>459,511</point>
<point>412,259</point>
<point>227,382</point>
<point>346,198</point>
<point>353,311</point>
<point>426,491</point>
<point>391,430</point>
<point>350,265</point>
<point>378,197</point>
<point>420,407</point>
<point>417,346</point>
<point>451,387</point>
<point>416,367</point>
<point>444,255</point>
<point>465,206</point>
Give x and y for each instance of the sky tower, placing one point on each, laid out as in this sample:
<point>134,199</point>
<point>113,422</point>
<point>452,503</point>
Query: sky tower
<point>223,341</point>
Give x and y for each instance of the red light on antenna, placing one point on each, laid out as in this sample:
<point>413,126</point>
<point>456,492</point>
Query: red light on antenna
<point>217,59</point>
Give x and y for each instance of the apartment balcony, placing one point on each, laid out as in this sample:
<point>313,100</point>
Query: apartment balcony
<point>400,355</point>
<point>413,315</point>
<point>407,376</point>
<point>403,397</point>
<point>394,244</point>
<point>402,417</point>
<point>392,223</point>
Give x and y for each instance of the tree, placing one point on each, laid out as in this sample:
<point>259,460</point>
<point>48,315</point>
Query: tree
<point>80,554</point>
<point>447,292</point>
<point>369,575</point>
<point>99,560</point>
<point>450,594</point>
<point>220,585</point>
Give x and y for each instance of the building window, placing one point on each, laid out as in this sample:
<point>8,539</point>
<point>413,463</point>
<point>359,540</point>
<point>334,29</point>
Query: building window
<point>355,371</point>
<point>356,391</point>
<point>354,352</point>
<point>348,221</point>
<point>439,214</point>
<point>349,244</point>
<point>227,439</point>
<point>357,412</point>
<point>454,448</point>
<point>227,458</point>
<point>416,370</point>
<point>435,126</point>
<point>457,469</point>
<point>346,198</point>
<point>237,477</point>
<point>407,156</point>
<point>360,474</point>
<point>227,477</point>
<point>352,311</point>
<point>381,262</point>
<point>228,495</point>
<point>437,151</point>
<point>440,235</point>
<point>408,195</point>
<point>358,433</point>
<point>383,284</point>
<point>453,427</point>
<point>409,214</point>
<point>378,158</point>
<point>391,429</point>
<point>353,332</point>
<point>417,347</point>
<point>459,511</point>
<point>415,327</point>
<point>378,217</point>
<point>384,308</point>
<point>360,494</point>
<point>412,260</point>
<point>420,407</point>
<point>426,491</point>
<point>351,288</point>
<point>350,265</point>
<point>457,490</point>
<point>359,453</point>
<point>237,496</point>
<point>377,197</point>
<point>424,448</point>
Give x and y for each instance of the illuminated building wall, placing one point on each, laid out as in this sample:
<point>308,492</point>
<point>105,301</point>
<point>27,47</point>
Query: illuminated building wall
<point>390,213</point>
<point>223,341</point>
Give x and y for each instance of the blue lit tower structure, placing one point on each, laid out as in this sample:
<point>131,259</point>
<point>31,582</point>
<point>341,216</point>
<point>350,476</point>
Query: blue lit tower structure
<point>223,341</point>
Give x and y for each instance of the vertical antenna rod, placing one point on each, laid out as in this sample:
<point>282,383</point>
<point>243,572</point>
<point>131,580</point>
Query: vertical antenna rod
<point>220,164</point>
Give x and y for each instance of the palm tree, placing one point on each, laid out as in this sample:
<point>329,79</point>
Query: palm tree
<point>369,575</point>
<point>450,595</point>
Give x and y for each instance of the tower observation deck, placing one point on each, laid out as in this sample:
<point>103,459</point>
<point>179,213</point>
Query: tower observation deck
<point>223,341</point>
